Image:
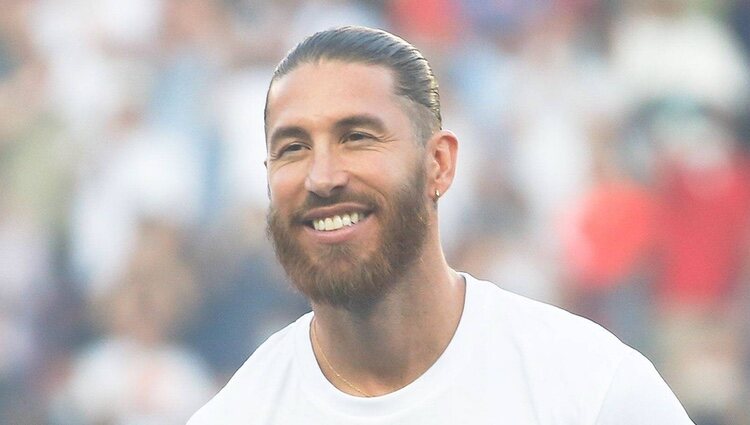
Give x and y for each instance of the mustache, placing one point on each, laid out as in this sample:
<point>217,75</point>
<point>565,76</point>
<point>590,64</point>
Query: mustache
<point>316,201</point>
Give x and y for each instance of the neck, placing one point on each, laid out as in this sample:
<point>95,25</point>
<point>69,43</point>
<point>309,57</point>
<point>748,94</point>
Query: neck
<point>387,346</point>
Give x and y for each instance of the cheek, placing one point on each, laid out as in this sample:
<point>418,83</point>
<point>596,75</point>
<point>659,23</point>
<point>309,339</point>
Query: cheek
<point>284,185</point>
<point>377,165</point>
<point>389,174</point>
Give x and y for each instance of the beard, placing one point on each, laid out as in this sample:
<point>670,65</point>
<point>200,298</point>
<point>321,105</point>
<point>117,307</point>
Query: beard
<point>341,274</point>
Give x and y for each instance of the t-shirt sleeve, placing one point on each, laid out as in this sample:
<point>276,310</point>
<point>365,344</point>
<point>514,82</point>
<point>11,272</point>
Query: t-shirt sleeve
<point>639,396</point>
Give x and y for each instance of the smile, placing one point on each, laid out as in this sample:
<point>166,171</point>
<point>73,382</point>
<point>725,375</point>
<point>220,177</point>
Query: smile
<point>336,222</point>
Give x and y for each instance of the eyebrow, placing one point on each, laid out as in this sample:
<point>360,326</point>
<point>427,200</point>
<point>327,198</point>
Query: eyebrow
<point>290,132</point>
<point>359,120</point>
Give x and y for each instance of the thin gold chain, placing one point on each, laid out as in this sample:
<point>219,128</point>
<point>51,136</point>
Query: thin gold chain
<point>330,366</point>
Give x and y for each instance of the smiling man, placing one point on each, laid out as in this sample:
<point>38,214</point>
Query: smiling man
<point>357,161</point>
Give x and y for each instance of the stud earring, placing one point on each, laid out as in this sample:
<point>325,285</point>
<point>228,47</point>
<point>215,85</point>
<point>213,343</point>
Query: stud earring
<point>437,195</point>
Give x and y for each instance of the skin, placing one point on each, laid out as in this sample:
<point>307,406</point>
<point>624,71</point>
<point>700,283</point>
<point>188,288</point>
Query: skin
<point>399,335</point>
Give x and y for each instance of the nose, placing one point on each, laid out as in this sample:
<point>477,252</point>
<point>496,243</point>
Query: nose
<point>326,174</point>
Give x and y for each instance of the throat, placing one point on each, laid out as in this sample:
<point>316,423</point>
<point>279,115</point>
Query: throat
<point>375,354</point>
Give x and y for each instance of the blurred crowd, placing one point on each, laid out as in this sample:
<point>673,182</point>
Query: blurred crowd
<point>603,167</point>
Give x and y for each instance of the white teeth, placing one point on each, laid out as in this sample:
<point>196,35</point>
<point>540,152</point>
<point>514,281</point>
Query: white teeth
<point>336,222</point>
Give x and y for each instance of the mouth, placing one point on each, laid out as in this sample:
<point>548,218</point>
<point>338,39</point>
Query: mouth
<point>336,221</point>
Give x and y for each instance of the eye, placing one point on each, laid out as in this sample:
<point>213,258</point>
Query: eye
<point>356,136</point>
<point>290,148</point>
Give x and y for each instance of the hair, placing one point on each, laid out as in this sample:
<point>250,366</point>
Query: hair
<point>413,76</point>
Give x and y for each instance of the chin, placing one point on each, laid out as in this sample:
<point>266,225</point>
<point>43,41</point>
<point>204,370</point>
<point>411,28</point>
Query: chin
<point>343,282</point>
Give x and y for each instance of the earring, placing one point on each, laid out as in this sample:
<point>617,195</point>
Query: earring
<point>437,195</point>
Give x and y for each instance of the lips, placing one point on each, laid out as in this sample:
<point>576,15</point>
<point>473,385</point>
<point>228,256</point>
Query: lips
<point>340,219</point>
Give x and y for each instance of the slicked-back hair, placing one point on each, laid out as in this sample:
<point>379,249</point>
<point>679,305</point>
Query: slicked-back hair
<point>413,76</point>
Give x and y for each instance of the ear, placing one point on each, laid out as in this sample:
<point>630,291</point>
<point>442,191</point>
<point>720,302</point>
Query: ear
<point>441,151</point>
<point>268,184</point>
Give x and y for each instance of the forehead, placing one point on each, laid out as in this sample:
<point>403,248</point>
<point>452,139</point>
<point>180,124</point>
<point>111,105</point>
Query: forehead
<point>332,90</point>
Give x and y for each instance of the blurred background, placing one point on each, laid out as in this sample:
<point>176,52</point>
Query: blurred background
<point>603,167</point>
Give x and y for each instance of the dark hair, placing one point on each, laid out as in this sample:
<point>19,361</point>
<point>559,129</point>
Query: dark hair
<point>414,79</point>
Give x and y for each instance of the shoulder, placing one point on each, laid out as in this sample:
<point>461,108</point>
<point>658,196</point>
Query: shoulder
<point>536,324</point>
<point>257,381</point>
<point>637,383</point>
<point>573,366</point>
<point>566,361</point>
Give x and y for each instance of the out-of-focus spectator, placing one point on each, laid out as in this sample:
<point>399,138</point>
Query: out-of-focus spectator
<point>140,170</point>
<point>25,280</point>
<point>666,47</point>
<point>245,294</point>
<point>704,184</point>
<point>240,100</point>
<point>504,18</point>
<point>429,22</point>
<point>311,16</point>
<point>738,14</point>
<point>137,374</point>
<point>610,239</point>
<point>562,92</point>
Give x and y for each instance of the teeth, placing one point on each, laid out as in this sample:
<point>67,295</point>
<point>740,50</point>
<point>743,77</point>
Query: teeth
<point>336,222</point>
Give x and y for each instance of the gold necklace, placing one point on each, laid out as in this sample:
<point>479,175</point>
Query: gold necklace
<point>330,366</point>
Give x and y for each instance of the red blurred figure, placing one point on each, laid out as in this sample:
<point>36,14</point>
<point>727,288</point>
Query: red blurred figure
<point>613,234</point>
<point>705,195</point>
<point>436,21</point>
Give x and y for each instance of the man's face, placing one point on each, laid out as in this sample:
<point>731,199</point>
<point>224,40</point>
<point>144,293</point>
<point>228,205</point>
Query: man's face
<point>348,208</point>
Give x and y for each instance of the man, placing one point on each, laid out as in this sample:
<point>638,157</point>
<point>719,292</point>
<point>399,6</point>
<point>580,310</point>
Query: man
<point>357,162</point>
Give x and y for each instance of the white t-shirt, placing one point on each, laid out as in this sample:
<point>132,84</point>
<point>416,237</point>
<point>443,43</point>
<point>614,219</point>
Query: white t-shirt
<point>511,361</point>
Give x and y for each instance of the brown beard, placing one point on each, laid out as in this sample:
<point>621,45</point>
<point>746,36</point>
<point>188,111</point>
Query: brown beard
<point>339,276</point>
